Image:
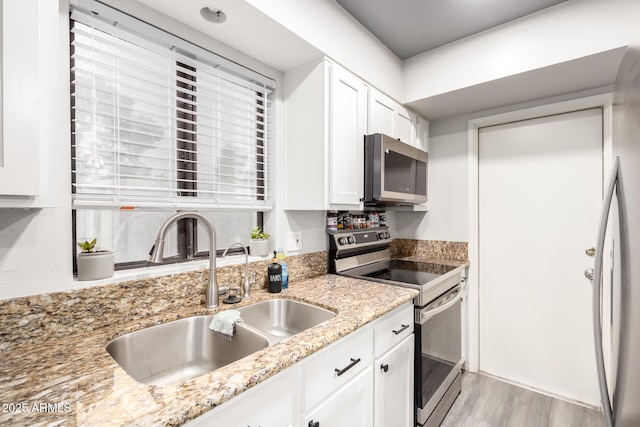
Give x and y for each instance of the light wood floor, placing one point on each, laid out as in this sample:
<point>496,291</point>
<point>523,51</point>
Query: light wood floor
<point>488,402</point>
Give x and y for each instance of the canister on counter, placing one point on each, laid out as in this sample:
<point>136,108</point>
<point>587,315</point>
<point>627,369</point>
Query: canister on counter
<point>347,221</point>
<point>332,220</point>
<point>382,218</point>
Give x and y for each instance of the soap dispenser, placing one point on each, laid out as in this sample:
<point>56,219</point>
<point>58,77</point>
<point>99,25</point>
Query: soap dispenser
<point>274,273</point>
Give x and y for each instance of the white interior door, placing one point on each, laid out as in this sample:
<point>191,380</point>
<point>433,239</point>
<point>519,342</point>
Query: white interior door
<point>539,195</point>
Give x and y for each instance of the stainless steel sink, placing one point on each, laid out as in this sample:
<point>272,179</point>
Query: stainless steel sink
<point>181,350</point>
<point>178,351</point>
<point>282,318</point>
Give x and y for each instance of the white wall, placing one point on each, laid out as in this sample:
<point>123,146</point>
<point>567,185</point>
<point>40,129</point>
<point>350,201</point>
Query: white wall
<point>328,27</point>
<point>448,206</point>
<point>447,216</point>
<point>562,33</point>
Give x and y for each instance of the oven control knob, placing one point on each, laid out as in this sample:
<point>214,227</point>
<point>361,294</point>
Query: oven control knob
<point>351,239</point>
<point>342,240</point>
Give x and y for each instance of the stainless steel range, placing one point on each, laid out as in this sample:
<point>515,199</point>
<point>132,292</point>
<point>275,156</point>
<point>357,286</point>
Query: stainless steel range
<point>364,254</point>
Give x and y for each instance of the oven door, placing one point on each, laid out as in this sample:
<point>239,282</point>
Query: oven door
<point>438,358</point>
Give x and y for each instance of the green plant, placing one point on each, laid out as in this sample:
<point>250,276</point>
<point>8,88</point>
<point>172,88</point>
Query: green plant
<point>87,246</point>
<point>258,234</point>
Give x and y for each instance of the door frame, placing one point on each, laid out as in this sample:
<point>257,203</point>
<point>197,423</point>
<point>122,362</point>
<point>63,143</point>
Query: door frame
<point>605,101</point>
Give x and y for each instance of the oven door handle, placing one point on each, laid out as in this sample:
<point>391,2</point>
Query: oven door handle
<point>424,315</point>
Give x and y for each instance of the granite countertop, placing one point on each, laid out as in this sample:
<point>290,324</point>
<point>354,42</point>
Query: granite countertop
<point>72,380</point>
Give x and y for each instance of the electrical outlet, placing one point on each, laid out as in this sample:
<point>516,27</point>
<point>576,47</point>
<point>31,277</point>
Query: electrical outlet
<point>294,241</point>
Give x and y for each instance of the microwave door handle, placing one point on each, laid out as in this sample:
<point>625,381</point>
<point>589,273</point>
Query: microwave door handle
<point>425,315</point>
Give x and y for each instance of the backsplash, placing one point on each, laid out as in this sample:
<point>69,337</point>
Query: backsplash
<point>438,249</point>
<point>56,315</point>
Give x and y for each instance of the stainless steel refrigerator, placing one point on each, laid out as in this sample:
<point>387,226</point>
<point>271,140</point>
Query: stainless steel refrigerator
<point>623,322</point>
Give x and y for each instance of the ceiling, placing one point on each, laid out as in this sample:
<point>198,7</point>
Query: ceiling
<point>410,27</point>
<point>246,29</point>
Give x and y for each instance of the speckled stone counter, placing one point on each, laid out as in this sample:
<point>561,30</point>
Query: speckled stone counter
<point>62,375</point>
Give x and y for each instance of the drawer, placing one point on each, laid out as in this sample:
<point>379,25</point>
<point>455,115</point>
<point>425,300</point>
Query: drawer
<point>334,366</point>
<point>392,328</point>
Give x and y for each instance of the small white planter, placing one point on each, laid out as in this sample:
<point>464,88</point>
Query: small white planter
<point>95,265</point>
<point>260,247</point>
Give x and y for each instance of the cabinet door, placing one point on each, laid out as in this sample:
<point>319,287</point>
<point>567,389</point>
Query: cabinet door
<point>392,328</point>
<point>351,354</point>
<point>348,127</point>
<point>350,406</point>
<point>34,104</point>
<point>422,133</point>
<point>403,125</point>
<point>393,401</point>
<point>381,114</point>
<point>273,403</point>
<point>19,138</point>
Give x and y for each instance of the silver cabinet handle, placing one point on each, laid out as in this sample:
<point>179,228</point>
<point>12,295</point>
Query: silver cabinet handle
<point>590,251</point>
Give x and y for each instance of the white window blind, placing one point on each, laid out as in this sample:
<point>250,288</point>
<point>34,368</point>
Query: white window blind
<point>157,127</point>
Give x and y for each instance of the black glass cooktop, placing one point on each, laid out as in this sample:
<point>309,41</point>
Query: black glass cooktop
<point>414,272</point>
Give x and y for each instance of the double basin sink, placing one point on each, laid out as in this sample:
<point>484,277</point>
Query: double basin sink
<point>183,349</point>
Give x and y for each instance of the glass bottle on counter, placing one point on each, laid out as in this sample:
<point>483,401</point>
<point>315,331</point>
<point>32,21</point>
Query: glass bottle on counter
<point>376,219</point>
<point>332,220</point>
<point>382,218</point>
<point>347,221</point>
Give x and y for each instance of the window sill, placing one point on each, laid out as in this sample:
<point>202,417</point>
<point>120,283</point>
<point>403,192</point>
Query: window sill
<point>164,270</point>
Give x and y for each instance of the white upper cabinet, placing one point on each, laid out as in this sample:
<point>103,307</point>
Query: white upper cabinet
<point>326,116</point>
<point>391,118</point>
<point>404,120</point>
<point>328,113</point>
<point>381,113</point>
<point>31,93</point>
<point>348,127</point>
<point>19,144</point>
<point>422,133</point>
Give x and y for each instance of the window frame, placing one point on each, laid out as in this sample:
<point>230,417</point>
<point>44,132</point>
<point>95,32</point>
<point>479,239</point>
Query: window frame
<point>186,229</point>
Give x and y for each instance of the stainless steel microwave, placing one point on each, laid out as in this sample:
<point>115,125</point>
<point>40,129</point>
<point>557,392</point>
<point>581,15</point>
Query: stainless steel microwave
<point>394,172</point>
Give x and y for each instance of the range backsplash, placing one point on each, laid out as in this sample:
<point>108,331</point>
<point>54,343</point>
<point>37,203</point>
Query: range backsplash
<point>438,249</point>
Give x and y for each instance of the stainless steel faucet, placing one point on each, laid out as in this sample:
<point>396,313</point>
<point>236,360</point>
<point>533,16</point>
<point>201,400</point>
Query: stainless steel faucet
<point>156,254</point>
<point>245,284</point>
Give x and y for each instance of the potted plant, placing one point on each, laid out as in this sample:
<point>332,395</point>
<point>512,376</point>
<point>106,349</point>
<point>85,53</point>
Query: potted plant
<point>94,264</point>
<point>259,242</point>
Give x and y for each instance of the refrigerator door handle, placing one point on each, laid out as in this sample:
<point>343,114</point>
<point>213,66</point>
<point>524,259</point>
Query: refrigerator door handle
<point>597,290</point>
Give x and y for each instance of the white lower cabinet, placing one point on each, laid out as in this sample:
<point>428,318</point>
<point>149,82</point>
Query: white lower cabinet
<point>344,384</point>
<point>393,368</point>
<point>328,370</point>
<point>273,403</point>
<point>350,406</point>
<point>393,395</point>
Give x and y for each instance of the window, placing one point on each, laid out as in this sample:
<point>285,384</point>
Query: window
<point>160,125</point>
